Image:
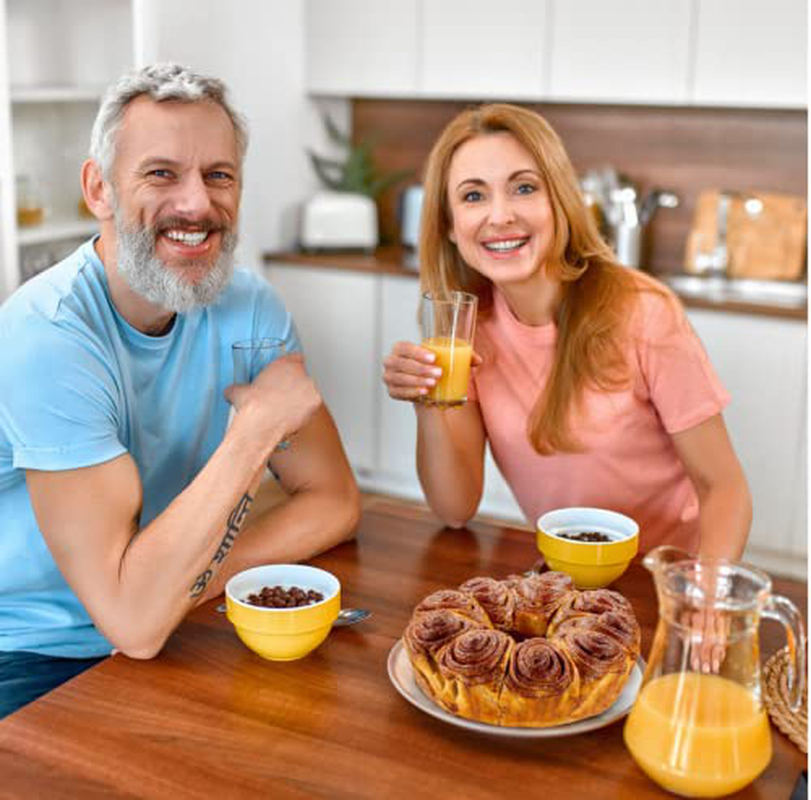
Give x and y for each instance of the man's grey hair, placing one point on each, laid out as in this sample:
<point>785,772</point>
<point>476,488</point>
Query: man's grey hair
<point>162,83</point>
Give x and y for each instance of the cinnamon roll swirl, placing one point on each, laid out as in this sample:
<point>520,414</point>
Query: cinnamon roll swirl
<point>537,598</point>
<point>598,601</point>
<point>475,657</point>
<point>427,632</point>
<point>425,636</point>
<point>539,667</point>
<point>473,666</point>
<point>541,687</point>
<point>616,624</point>
<point>603,665</point>
<point>495,598</point>
<point>456,601</point>
<point>593,602</point>
<point>624,628</point>
<point>594,653</point>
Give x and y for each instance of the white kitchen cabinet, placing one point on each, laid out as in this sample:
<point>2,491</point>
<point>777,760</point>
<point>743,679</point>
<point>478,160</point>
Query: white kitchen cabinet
<point>653,52</point>
<point>625,51</point>
<point>398,427</point>
<point>362,47</point>
<point>58,57</point>
<point>751,53</point>
<point>762,361</point>
<point>475,49</point>
<point>335,315</point>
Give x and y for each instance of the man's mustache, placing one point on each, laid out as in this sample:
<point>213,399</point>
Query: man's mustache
<point>183,223</point>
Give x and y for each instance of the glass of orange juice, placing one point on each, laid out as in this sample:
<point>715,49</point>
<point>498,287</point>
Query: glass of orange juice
<point>448,324</point>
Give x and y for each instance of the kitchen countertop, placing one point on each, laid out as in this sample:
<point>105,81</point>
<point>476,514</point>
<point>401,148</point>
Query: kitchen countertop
<point>208,718</point>
<point>394,261</point>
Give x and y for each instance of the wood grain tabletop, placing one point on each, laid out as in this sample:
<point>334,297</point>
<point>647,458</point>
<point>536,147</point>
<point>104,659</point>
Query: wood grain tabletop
<point>208,718</point>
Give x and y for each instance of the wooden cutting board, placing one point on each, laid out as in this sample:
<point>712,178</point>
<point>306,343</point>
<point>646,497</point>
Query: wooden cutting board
<point>765,235</point>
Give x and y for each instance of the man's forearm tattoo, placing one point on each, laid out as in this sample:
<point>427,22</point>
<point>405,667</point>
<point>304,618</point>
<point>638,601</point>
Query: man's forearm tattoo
<point>235,521</point>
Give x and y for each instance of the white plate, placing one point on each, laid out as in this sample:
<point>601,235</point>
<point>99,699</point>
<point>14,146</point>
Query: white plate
<point>401,674</point>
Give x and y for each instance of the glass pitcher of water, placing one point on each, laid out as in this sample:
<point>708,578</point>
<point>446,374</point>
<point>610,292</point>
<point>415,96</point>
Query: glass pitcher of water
<point>698,727</point>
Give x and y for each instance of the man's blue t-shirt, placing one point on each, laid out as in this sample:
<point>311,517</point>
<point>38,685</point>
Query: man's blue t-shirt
<point>80,386</point>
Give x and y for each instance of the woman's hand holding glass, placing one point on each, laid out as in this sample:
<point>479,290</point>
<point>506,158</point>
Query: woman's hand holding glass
<point>410,372</point>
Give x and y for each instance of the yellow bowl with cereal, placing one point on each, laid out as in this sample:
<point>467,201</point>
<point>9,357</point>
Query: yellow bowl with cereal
<point>283,633</point>
<point>593,545</point>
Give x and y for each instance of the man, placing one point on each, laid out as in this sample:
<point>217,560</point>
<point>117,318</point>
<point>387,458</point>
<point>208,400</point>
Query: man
<point>123,497</point>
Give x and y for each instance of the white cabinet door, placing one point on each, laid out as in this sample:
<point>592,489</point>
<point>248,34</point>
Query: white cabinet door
<point>334,314</point>
<point>762,363</point>
<point>751,53</point>
<point>624,51</point>
<point>472,48</point>
<point>398,422</point>
<point>362,47</point>
<point>53,43</point>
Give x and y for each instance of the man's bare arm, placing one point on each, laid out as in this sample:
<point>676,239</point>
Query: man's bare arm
<point>138,584</point>
<point>321,510</point>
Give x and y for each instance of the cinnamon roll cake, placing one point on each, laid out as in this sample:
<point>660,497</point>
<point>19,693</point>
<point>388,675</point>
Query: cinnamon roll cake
<point>523,651</point>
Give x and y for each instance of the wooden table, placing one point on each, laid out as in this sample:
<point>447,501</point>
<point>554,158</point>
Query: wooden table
<point>209,719</point>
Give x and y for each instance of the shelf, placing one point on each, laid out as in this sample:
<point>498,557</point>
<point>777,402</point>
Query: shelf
<point>56,94</point>
<point>56,229</point>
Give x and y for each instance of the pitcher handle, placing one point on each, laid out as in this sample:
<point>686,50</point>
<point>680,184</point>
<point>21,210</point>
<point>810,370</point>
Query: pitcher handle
<point>782,610</point>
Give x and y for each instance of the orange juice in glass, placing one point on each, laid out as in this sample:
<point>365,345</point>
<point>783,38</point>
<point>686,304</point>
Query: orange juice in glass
<point>448,324</point>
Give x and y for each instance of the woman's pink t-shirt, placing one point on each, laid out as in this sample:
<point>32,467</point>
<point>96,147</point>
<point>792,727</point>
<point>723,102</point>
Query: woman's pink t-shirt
<point>628,463</point>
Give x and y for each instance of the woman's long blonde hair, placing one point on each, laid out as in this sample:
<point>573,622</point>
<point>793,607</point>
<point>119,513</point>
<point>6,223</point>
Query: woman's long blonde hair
<point>598,294</point>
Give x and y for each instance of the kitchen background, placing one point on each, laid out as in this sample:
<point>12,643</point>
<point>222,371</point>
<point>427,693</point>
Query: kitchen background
<point>703,99</point>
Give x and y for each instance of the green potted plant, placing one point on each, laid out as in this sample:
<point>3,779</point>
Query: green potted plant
<point>343,216</point>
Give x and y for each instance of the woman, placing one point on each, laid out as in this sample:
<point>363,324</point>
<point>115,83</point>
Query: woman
<point>589,383</point>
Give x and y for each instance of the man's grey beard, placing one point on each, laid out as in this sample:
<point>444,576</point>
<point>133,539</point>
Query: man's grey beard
<point>149,277</point>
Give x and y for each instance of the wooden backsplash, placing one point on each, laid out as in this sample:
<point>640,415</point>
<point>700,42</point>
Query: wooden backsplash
<point>682,149</point>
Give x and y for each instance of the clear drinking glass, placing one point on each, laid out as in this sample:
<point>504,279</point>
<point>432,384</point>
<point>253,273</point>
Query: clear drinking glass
<point>448,324</point>
<point>250,357</point>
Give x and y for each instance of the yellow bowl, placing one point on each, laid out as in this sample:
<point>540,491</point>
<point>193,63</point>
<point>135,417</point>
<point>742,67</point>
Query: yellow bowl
<point>592,565</point>
<point>282,634</point>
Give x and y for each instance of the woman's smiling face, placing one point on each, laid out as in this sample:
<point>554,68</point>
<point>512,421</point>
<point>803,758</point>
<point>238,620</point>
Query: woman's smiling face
<point>501,218</point>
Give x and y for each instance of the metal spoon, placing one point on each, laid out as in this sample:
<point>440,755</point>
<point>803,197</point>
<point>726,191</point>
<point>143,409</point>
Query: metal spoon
<point>346,616</point>
<point>349,616</point>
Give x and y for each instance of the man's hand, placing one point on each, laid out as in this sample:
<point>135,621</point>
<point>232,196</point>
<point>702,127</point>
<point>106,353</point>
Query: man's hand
<point>281,399</point>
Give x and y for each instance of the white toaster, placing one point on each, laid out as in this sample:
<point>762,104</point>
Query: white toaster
<point>339,221</point>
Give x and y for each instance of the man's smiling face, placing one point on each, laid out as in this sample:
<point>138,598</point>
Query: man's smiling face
<point>176,182</point>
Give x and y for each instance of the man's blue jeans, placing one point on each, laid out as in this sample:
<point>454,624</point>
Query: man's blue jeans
<point>26,676</point>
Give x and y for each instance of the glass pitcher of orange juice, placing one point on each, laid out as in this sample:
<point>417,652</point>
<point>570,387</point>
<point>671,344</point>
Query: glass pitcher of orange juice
<point>698,727</point>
